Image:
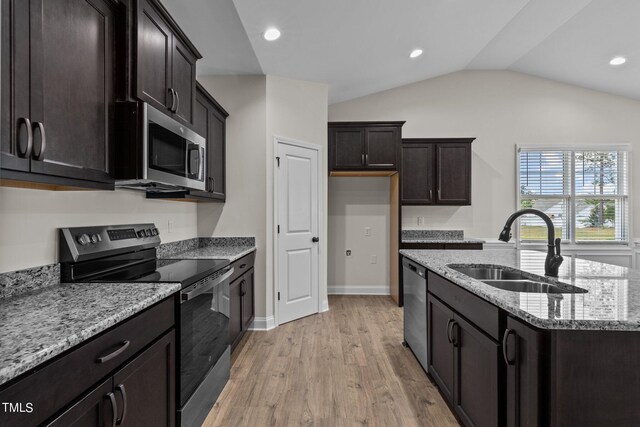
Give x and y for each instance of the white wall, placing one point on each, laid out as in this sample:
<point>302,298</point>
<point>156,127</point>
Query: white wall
<point>244,98</point>
<point>501,109</point>
<point>356,203</point>
<point>29,220</point>
<point>261,107</point>
<point>296,110</point>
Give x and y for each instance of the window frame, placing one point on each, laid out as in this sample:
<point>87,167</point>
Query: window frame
<point>572,198</point>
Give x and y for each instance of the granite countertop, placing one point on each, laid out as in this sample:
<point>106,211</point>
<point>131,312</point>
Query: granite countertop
<point>39,325</point>
<point>611,303</point>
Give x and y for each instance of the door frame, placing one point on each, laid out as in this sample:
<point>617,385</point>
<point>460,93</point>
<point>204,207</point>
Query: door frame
<point>276,273</point>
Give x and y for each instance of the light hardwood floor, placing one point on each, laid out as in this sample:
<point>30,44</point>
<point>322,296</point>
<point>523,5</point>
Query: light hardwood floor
<point>344,367</point>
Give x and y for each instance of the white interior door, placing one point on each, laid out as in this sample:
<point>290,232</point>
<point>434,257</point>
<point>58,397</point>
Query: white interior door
<point>298,224</point>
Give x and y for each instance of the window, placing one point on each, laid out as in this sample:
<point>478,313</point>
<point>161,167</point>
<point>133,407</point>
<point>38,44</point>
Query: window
<point>584,192</point>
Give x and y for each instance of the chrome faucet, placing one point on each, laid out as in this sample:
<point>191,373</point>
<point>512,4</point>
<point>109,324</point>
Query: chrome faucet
<point>554,259</point>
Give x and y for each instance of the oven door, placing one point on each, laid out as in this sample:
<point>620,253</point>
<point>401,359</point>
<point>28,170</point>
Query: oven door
<point>175,155</point>
<point>204,345</point>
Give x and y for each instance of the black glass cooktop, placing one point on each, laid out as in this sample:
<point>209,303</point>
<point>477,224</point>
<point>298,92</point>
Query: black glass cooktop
<point>185,271</point>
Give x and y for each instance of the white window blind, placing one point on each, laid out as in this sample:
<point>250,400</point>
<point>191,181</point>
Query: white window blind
<point>584,192</point>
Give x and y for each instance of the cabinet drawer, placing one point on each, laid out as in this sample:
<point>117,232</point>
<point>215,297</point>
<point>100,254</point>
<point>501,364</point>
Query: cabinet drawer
<point>56,384</point>
<point>242,265</point>
<point>481,313</point>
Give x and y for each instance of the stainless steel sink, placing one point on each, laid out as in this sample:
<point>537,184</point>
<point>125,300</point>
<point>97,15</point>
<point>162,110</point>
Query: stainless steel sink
<point>514,280</point>
<point>531,286</point>
<point>490,273</point>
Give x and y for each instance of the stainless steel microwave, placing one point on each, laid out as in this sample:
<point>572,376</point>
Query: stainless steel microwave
<point>156,152</point>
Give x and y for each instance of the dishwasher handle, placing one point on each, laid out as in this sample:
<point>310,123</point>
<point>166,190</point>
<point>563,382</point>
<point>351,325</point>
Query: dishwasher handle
<point>415,268</point>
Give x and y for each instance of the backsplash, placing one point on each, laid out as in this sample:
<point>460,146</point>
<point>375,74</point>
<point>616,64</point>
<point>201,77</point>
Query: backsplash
<point>22,281</point>
<point>172,248</point>
<point>433,234</point>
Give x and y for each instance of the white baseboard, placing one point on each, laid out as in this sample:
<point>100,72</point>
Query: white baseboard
<point>263,324</point>
<point>324,306</point>
<point>358,290</point>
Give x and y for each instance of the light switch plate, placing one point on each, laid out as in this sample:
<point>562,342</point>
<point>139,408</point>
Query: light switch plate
<point>420,220</point>
<point>367,231</point>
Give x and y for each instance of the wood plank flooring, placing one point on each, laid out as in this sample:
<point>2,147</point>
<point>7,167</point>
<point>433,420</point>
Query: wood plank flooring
<point>345,367</point>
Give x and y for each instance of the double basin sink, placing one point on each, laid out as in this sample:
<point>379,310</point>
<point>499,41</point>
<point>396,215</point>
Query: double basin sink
<point>514,280</point>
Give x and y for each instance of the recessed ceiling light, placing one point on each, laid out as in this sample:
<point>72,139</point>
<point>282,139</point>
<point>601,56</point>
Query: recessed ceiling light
<point>415,53</point>
<point>618,60</point>
<point>271,34</point>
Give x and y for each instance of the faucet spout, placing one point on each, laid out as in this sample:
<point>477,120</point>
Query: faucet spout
<point>554,259</point>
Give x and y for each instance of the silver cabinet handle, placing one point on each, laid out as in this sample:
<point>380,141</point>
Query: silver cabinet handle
<point>123,346</point>
<point>362,160</point>
<point>439,194</point>
<point>366,159</point>
<point>177,101</point>
<point>505,345</point>
<point>43,142</point>
<point>27,151</point>
<point>123,393</point>
<point>430,194</point>
<point>114,408</point>
<point>173,99</point>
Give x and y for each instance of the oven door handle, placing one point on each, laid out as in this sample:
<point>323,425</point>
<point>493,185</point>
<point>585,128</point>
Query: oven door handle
<point>186,296</point>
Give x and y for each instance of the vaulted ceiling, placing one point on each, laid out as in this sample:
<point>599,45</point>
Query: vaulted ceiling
<point>360,47</point>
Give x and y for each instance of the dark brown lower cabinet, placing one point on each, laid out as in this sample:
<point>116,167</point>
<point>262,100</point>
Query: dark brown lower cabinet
<point>439,348</point>
<point>235,311</point>
<point>475,393</point>
<point>95,409</point>
<point>463,361</point>
<point>133,365</point>
<point>522,348</point>
<point>242,312</point>
<point>141,393</point>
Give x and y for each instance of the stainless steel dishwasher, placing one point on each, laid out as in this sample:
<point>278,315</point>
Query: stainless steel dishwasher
<point>415,309</point>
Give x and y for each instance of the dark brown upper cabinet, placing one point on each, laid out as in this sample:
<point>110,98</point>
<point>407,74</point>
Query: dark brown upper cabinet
<point>58,92</point>
<point>164,62</point>
<point>364,146</point>
<point>209,120</point>
<point>436,171</point>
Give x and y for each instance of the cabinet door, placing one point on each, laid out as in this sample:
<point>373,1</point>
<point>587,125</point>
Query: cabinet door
<point>248,302</point>
<point>15,118</point>
<point>235,310</point>
<point>96,409</point>
<point>346,148</point>
<point>216,146</point>
<point>72,89</point>
<point>439,347</point>
<point>183,81</point>
<point>381,147</point>
<point>153,57</point>
<point>145,387</point>
<point>522,354</point>
<point>418,174</point>
<point>453,166</point>
<point>475,375</point>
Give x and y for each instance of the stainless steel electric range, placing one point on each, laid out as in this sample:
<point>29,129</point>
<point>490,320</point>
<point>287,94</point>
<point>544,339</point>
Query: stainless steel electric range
<point>127,253</point>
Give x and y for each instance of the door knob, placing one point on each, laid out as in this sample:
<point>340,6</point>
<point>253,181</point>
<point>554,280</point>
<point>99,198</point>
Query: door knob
<point>315,239</point>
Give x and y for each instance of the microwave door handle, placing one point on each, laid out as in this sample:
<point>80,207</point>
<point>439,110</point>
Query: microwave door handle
<point>202,163</point>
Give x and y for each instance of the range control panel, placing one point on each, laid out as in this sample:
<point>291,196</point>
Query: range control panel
<point>79,243</point>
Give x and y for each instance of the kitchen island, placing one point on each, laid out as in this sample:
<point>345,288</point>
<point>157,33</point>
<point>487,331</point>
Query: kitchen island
<point>502,357</point>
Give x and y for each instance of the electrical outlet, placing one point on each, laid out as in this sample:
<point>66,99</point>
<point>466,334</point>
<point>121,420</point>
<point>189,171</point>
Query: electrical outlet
<point>348,252</point>
<point>367,231</point>
<point>170,226</point>
<point>420,220</point>
<point>374,259</point>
